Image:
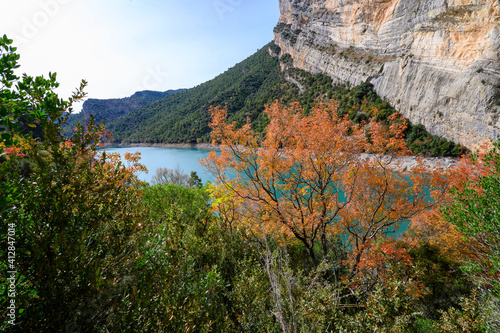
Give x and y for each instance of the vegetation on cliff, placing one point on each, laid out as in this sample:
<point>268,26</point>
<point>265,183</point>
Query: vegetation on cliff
<point>428,58</point>
<point>245,89</point>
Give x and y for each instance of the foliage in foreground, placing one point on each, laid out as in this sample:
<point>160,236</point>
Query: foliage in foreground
<point>98,251</point>
<point>67,234</point>
<point>476,213</point>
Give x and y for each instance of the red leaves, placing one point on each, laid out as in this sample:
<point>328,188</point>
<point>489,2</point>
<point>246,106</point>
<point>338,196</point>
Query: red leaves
<point>389,140</point>
<point>307,180</point>
<point>14,151</point>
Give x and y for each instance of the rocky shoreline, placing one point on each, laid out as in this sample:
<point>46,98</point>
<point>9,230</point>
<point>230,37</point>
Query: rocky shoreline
<point>408,163</point>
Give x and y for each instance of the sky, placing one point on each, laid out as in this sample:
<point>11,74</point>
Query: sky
<point>124,46</point>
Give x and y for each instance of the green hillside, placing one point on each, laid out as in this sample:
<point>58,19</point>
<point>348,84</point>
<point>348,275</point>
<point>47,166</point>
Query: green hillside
<point>184,117</point>
<point>108,110</point>
<point>245,89</point>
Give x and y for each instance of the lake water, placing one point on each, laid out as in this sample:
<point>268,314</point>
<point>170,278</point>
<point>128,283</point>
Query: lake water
<point>186,159</point>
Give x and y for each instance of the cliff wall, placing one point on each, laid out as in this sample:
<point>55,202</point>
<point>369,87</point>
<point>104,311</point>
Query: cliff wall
<point>436,61</point>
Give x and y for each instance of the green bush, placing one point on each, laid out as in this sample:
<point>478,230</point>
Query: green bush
<point>73,213</point>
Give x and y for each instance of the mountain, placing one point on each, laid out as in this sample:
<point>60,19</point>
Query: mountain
<point>245,89</point>
<point>108,110</point>
<point>436,61</point>
<point>111,109</point>
<point>183,117</point>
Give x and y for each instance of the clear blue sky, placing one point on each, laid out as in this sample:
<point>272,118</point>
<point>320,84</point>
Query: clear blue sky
<point>122,46</point>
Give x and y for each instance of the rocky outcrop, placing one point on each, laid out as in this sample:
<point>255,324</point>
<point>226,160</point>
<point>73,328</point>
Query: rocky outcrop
<point>436,61</point>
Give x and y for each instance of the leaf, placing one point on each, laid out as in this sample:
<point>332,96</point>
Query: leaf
<point>305,179</point>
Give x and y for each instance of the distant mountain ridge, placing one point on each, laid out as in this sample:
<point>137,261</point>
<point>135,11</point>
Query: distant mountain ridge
<point>111,109</point>
<point>108,110</point>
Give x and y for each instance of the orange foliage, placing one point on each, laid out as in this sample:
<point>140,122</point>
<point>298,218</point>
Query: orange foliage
<point>13,151</point>
<point>19,149</point>
<point>93,170</point>
<point>430,226</point>
<point>382,263</point>
<point>305,179</point>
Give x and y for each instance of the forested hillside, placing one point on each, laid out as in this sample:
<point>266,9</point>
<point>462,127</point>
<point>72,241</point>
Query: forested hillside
<point>245,89</point>
<point>111,109</point>
<point>108,110</point>
<point>184,117</point>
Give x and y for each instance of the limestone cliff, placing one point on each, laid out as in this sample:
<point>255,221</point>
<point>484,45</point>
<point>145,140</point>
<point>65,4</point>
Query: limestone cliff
<point>436,61</point>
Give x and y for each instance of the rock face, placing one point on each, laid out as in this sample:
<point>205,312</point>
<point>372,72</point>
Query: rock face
<point>436,61</point>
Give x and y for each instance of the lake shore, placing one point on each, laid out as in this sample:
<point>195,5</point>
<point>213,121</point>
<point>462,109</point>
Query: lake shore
<point>408,163</point>
<point>207,146</point>
<point>402,163</point>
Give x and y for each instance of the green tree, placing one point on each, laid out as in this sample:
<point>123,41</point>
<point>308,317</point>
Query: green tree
<point>476,213</point>
<point>11,104</point>
<point>17,99</point>
<point>195,180</point>
<point>177,283</point>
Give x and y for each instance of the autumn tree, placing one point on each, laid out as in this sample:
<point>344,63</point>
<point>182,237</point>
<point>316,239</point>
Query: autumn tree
<point>313,177</point>
<point>451,232</point>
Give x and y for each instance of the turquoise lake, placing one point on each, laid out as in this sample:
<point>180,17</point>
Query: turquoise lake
<point>187,159</point>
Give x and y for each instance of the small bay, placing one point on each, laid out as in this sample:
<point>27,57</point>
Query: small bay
<point>186,159</point>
